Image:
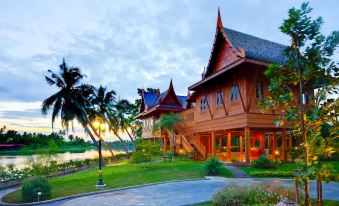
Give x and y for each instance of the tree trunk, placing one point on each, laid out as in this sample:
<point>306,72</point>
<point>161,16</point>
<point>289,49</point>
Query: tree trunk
<point>301,107</point>
<point>296,187</point>
<point>319,191</point>
<point>88,131</point>
<point>105,143</point>
<point>130,136</point>
<point>116,133</point>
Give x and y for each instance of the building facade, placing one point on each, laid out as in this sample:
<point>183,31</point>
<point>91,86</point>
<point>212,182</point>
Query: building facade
<point>221,111</point>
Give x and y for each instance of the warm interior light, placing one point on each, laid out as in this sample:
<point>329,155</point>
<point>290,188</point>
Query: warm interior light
<point>96,124</point>
<point>276,152</point>
<point>102,127</point>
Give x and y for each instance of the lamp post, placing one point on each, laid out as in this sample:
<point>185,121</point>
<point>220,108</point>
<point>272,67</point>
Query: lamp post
<point>276,152</point>
<point>100,127</point>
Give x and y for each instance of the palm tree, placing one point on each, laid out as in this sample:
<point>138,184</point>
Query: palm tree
<point>71,101</point>
<point>123,109</point>
<point>104,103</point>
<point>167,121</point>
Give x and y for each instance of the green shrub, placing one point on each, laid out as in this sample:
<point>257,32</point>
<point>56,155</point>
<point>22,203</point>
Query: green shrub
<point>251,195</point>
<point>138,157</point>
<point>213,166</point>
<point>31,187</point>
<point>271,173</point>
<point>234,160</point>
<point>263,162</point>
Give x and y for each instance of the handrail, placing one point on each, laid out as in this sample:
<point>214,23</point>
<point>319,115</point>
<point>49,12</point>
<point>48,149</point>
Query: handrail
<point>200,147</point>
<point>186,144</point>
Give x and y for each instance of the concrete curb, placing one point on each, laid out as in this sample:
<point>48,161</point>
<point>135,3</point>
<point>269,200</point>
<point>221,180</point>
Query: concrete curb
<point>95,193</point>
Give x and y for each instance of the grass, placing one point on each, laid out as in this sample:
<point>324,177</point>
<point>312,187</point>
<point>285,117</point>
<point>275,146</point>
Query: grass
<point>285,168</point>
<point>62,149</point>
<point>121,175</point>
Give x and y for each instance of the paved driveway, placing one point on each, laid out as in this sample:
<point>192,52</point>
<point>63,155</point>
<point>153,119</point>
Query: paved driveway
<point>181,193</point>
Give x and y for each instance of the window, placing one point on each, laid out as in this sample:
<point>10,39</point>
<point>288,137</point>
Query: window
<point>203,103</point>
<point>234,92</point>
<point>220,96</point>
<point>262,89</point>
<point>305,97</point>
<point>257,90</point>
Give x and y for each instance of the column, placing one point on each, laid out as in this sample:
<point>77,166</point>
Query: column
<point>268,143</point>
<point>220,144</point>
<point>274,144</point>
<point>171,144</point>
<point>229,145</point>
<point>241,149</point>
<point>247,145</point>
<point>213,143</point>
<point>284,145</point>
<point>165,144</point>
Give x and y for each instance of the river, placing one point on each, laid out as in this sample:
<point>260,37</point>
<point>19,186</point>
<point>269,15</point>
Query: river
<point>22,161</point>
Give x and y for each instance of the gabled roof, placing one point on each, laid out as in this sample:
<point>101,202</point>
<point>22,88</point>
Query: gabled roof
<point>160,101</point>
<point>257,48</point>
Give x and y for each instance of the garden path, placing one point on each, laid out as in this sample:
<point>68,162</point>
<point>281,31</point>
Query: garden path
<point>236,171</point>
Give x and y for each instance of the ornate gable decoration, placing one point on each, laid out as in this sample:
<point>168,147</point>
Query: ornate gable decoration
<point>223,52</point>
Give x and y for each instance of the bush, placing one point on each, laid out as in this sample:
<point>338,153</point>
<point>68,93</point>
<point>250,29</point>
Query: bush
<point>233,160</point>
<point>271,173</point>
<point>31,187</point>
<point>251,195</point>
<point>213,166</point>
<point>264,163</point>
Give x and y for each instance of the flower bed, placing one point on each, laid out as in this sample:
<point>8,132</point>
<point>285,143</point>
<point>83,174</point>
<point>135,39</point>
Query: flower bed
<point>251,195</point>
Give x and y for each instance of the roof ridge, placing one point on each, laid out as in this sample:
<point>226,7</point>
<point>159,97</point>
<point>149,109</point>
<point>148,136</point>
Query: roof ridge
<point>255,37</point>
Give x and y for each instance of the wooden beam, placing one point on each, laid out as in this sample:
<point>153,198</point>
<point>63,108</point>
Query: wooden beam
<point>229,145</point>
<point>247,145</point>
<point>213,143</point>
<point>241,149</point>
<point>274,144</point>
<point>253,88</point>
<point>208,105</point>
<point>220,144</point>
<point>284,145</point>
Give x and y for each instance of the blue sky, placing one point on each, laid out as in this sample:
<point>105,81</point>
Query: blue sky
<point>123,45</point>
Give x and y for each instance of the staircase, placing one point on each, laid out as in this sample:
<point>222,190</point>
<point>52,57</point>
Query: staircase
<point>191,144</point>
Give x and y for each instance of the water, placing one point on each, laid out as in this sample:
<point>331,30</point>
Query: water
<point>22,161</point>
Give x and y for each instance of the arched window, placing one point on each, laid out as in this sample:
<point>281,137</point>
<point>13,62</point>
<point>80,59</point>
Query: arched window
<point>234,92</point>
<point>203,103</point>
<point>262,89</point>
<point>257,90</point>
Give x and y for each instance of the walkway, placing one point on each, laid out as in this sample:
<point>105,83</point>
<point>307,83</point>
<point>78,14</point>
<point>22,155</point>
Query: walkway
<point>181,193</point>
<point>236,171</point>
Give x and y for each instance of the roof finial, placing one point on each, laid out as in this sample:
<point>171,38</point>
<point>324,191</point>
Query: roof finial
<point>219,24</point>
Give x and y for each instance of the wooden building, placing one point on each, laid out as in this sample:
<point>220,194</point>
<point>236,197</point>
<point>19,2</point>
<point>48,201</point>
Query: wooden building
<point>221,112</point>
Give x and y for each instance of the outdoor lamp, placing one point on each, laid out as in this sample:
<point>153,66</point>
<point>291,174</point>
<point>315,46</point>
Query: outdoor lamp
<point>276,152</point>
<point>102,127</point>
<point>96,124</point>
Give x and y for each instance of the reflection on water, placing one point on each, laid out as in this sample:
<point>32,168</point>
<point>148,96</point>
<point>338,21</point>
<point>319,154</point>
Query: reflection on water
<point>22,161</point>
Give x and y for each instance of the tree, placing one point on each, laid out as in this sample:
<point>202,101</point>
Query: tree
<point>309,66</point>
<point>70,100</point>
<point>167,121</point>
<point>103,106</point>
<point>123,110</point>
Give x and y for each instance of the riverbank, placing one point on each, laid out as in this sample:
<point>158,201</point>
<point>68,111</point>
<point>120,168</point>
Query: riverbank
<point>31,151</point>
<point>121,175</point>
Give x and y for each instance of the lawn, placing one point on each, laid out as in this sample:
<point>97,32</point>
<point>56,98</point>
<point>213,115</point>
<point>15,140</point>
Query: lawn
<point>283,170</point>
<point>122,175</point>
<point>325,203</point>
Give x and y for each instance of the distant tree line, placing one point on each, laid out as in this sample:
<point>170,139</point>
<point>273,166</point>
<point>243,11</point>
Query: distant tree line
<point>38,140</point>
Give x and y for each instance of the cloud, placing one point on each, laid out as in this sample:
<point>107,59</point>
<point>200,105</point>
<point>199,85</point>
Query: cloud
<point>123,45</point>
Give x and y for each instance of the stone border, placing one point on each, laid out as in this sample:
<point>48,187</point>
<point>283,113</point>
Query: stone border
<point>95,193</point>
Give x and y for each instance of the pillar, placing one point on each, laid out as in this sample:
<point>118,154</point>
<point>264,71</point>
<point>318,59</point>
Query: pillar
<point>241,149</point>
<point>220,144</point>
<point>247,145</point>
<point>213,143</point>
<point>165,144</point>
<point>269,143</point>
<point>284,145</point>
<point>171,144</point>
<point>274,144</point>
<point>229,145</point>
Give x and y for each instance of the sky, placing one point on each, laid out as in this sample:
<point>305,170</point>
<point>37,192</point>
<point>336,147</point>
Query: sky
<point>123,45</point>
